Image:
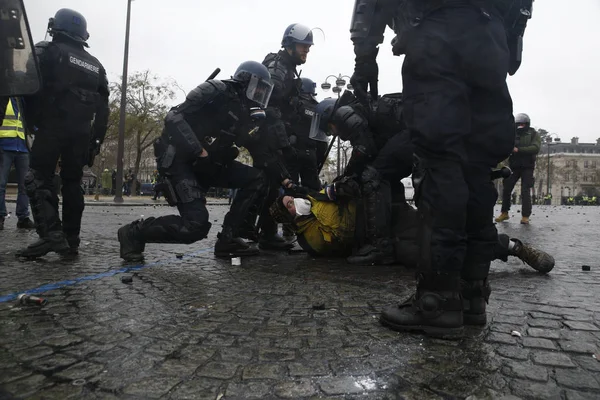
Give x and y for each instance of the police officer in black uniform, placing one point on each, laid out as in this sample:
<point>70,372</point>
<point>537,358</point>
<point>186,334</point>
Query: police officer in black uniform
<point>380,159</point>
<point>459,112</point>
<point>303,166</point>
<point>69,117</point>
<point>197,151</point>
<point>274,146</point>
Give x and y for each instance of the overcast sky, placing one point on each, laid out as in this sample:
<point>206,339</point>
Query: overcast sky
<point>558,84</point>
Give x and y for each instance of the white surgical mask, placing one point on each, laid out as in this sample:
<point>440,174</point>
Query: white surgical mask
<point>302,206</point>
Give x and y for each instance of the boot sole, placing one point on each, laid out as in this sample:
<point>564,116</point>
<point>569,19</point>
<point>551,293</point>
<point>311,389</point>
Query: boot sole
<point>441,333</point>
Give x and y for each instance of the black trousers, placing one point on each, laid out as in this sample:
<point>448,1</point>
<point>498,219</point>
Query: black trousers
<point>192,223</point>
<point>526,176</point>
<point>303,168</point>
<point>71,146</point>
<point>459,113</point>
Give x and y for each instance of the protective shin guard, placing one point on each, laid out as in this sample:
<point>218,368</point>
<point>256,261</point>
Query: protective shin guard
<point>475,296</point>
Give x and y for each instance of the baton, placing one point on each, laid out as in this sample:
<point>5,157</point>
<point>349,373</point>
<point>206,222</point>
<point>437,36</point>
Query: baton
<point>214,74</point>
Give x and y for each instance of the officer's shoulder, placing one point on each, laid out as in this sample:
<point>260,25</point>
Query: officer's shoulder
<point>207,91</point>
<point>43,44</point>
<point>270,59</point>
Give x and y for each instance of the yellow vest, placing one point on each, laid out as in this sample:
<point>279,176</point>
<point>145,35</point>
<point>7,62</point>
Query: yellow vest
<point>329,231</point>
<point>11,126</point>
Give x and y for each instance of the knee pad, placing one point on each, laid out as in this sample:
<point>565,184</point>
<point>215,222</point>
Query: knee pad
<point>33,181</point>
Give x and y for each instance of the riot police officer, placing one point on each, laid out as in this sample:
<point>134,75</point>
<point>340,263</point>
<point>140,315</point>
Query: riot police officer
<point>459,111</point>
<point>381,158</point>
<point>274,143</point>
<point>69,116</point>
<point>197,151</point>
<point>303,166</point>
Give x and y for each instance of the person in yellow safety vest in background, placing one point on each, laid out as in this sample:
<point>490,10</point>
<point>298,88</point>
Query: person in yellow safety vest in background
<point>13,150</point>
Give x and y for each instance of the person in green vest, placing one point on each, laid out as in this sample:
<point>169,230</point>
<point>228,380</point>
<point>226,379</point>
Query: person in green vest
<point>13,151</point>
<point>106,182</point>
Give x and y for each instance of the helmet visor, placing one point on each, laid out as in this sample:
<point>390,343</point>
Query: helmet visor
<point>259,91</point>
<point>315,126</point>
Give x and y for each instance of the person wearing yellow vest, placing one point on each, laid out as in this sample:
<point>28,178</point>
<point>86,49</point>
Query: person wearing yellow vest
<point>13,151</point>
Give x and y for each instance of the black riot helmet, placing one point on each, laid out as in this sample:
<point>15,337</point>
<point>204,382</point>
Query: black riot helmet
<point>69,23</point>
<point>325,112</point>
<point>308,88</point>
<point>522,123</point>
<point>256,80</point>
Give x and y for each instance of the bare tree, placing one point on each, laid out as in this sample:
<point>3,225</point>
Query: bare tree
<point>147,98</point>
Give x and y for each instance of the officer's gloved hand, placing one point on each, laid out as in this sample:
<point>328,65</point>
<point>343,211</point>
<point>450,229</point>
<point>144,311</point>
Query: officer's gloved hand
<point>202,164</point>
<point>347,188</point>
<point>366,73</point>
<point>291,188</point>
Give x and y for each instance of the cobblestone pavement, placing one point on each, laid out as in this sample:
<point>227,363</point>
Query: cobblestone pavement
<point>286,326</point>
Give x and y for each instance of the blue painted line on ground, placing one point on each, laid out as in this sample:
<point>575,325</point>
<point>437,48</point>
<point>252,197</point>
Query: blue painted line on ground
<point>70,282</point>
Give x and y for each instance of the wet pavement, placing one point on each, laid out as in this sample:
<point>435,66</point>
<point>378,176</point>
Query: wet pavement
<point>281,326</point>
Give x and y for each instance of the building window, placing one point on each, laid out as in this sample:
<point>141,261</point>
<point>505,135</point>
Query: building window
<point>585,178</point>
<point>567,177</point>
<point>586,164</point>
<point>593,164</point>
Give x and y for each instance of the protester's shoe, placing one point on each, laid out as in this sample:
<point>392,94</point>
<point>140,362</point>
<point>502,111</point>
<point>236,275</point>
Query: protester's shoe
<point>131,247</point>
<point>25,223</point>
<point>274,242</point>
<point>55,241</point>
<point>229,246</point>
<point>435,309</point>
<point>536,259</point>
<point>475,296</point>
<point>525,220</point>
<point>502,217</point>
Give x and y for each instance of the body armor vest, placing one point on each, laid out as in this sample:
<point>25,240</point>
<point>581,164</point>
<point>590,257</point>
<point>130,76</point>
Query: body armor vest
<point>71,88</point>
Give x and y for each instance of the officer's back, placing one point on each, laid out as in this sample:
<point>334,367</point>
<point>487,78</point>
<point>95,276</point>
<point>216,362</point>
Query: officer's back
<point>74,81</point>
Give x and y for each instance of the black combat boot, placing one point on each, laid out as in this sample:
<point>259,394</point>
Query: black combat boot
<point>131,242</point>
<point>435,309</point>
<point>228,246</point>
<point>475,296</point>
<point>1,223</point>
<point>55,241</point>
<point>273,241</point>
<point>536,259</point>
<point>25,223</point>
<point>380,253</point>
<point>73,245</point>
